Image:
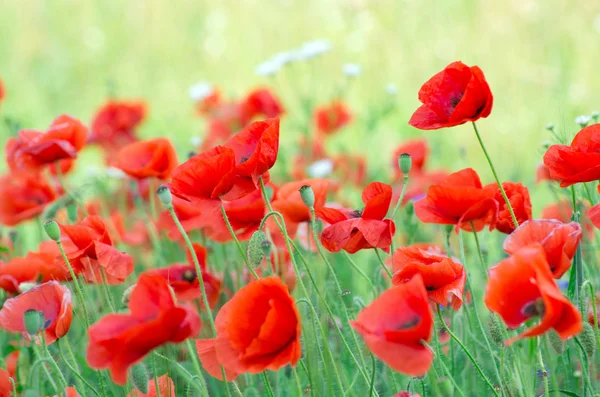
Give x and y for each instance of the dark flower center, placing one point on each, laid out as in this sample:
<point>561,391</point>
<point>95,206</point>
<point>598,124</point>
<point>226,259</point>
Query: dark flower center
<point>356,213</point>
<point>408,324</point>
<point>244,159</point>
<point>189,276</point>
<point>454,101</point>
<point>535,308</point>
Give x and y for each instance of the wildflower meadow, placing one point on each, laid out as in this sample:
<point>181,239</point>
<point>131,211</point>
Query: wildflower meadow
<point>320,198</point>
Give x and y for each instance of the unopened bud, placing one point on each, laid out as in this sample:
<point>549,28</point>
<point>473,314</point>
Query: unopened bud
<point>164,194</point>
<point>52,230</point>
<point>556,343</point>
<point>496,330</point>
<point>254,251</point>
<point>405,163</point>
<point>72,212</point>
<point>587,337</point>
<point>308,196</point>
<point>550,127</point>
<point>127,295</point>
<point>34,321</point>
<point>410,209</point>
<point>595,115</point>
<point>583,120</point>
<point>139,377</point>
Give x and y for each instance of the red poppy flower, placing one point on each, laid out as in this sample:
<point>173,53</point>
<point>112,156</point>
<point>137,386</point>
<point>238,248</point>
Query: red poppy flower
<point>208,102</point>
<point>12,361</point>
<point>406,394</point>
<point>32,149</point>
<point>206,178</point>
<point>258,329</point>
<point>118,341</point>
<point>115,122</point>
<point>144,159</point>
<point>66,165</point>
<point>454,96</point>
<point>71,392</point>
<point>2,91</point>
<point>34,267</point>
<point>5,384</point>
<point>395,325</point>
<point>166,388</point>
<point>350,168</point>
<point>51,299</point>
<point>558,239</point>
<point>459,200</point>
<point>579,162</point>
<point>542,173</point>
<point>419,183</point>
<point>561,211</point>
<point>444,277</point>
<point>353,230</point>
<point>518,196</point>
<point>24,196</point>
<point>331,118</point>
<point>594,215</point>
<point>290,204</point>
<point>418,150</point>
<point>135,235</point>
<point>183,279</point>
<point>261,102</point>
<point>521,287</point>
<point>89,249</point>
<point>255,148</point>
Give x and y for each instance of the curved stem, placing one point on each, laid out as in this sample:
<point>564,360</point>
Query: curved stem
<point>372,376</point>
<point>73,369</point>
<point>237,242</point>
<point>502,191</point>
<point>184,372</point>
<point>155,376</point>
<point>382,263</point>
<point>543,369</point>
<point>480,254</point>
<point>40,362</point>
<point>106,291</point>
<point>468,353</point>
<point>398,203</point>
<point>78,289</point>
<point>207,308</point>
<point>51,360</point>
<point>267,384</point>
<point>361,272</point>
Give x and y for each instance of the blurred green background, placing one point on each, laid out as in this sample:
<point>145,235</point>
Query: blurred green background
<point>539,56</point>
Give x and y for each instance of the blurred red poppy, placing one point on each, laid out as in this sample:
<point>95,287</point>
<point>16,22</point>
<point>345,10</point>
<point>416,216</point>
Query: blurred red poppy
<point>561,211</point>
<point>6,388</point>
<point>135,235</point>
<point>115,122</point>
<point>289,202</point>
<point>258,329</point>
<point>406,394</point>
<point>542,173</point>
<point>208,102</point>
<point>144,159</point>
<point>518,196</point>
<point>206,178</point>
<point>521,288</point>
<point>454,96</point>
<point>182,277</point>
<point>559,241</point>
<point>594,215</point>
<point>90,252</point>
<point>331,118</point>
<point>51,299</point>
<point>394,326</point>
<point>418,150</point>
<point>353,230</point>
<point>460,200</point>
<point>444,277</point>
<point>24,196</point>
<point>579,162</point>
<point>35,267</point>
<point>33,149</point>
<point>166,388</point>
<point>350,168</point>
<point>255,148</point>
<point>118,341</point>
<point>2,91</point>
<point>64,166</point>
<point>261,102</point>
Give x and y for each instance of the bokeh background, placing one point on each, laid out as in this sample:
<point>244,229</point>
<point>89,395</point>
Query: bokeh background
<point>539,56</point>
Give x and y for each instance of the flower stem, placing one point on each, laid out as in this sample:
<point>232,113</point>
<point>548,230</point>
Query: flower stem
<point>502,191</point>
<point>74,368</point>
<point>184,373</point>
<point>237,242</point>
<point>477,367</point>
<point>52,362</point>
<point>543,369</point>
<point>68,192</point>
<point>106,291</point>
<point>480,254</point>
<point>382,263</point>
<point>78,289</point>
<point>398,203</point>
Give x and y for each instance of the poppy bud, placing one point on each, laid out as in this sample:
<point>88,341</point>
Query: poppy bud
<point>587,337</point>
<point>550,127</point>
<point>164,194</point>
<point>410,209</point>
<point>496,330</point>
<point>139,377</point>
<point>34,321</point>
<point>405,163</point>
<point>556,343</point>
<point>583,120</point>
<point>52,230</point>
<point>595,115</point>
<point>126,295</point>
<point>445,387</point>
<point>72,212</point>
<point>255,251</point>
<point>307,195</point>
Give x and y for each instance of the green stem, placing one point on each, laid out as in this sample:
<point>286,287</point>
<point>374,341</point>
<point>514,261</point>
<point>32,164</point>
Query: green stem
<point>106,291</point>
<point>59,373</point>
<point>74,369</point>
<point>155,376</point>
<point>184,372</point>
<point>78,289</point>
<point>267,384</point>
<point>237,242</point>
<point>382,263</point>
<point>594,310</point>
<point>397,206</point>
<point>371,388</point>
<point>469,355</point>
<point>207,308</point>
<point>68,192</point>
<point>361,272</point>
<point>480,254</point>
<point>39,362</point>
<point>543,369</point>
<point>502,191</point>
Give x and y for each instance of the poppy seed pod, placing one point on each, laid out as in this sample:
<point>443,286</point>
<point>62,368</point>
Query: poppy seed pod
<point>307,195</point>
<point>139,377</point>
<point>164,194</point>
<point>587,337</point>
<point>496,330</point>
<point>52,230</point>
<point>556,343</point>
<point>255,252</point>
<point>34,321</point>
<point>405,163</point>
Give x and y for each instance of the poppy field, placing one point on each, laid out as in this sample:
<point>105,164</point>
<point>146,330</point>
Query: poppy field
<point>189,211</point>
